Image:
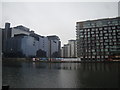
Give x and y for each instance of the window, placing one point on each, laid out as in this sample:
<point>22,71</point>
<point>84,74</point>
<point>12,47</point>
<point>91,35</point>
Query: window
<point>113,33</point>
<point>110,37</point>
<point>101,38</point>
<point>100,34</point>
<point>105,37</point>
<point>118,26</point>
<point>105,28</point>
<point>96,35</point>
<point>118,30</point>
<point>106,49</point>
<point>106,34</point>
<point>113,27</point>
<point>88,30</point>
<point>106,41</point>
<point>109,30</point>
<point>115,22</point>
<point>100,29</point>
<point>104,31</point>
<point>114,37</point>
<point>110,43</point>
<point>92,32</point>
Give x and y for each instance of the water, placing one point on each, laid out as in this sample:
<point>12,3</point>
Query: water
<point>21,74</point>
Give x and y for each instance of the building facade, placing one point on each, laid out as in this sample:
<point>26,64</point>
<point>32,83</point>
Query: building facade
<point>64,51</point>
<point>6,34</point>
<point>72,49</point>
<point>69,50</point>
<point>98,40</point>
<point>54,46</point>
<point>20,30</point>
<point>21,42</point>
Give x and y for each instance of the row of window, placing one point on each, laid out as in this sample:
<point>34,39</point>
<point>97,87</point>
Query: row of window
<point>99,29</point>
<point>95,56</point>
<point>97,43</point>
<point>97,32</point>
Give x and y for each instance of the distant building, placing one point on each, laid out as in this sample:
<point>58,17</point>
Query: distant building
<point>20,30</point>
<point>54,46</point>
<point>64,51</point>
<point>72,48</point>
<point>21,42</point>
<point>69,50</point>
<point>21,46</point>
<point>98,40</point>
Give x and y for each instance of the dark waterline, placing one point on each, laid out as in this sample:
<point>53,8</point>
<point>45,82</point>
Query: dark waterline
<point>21,74</point>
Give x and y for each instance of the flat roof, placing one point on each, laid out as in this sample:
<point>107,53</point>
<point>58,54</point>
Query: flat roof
<point>98,19</point>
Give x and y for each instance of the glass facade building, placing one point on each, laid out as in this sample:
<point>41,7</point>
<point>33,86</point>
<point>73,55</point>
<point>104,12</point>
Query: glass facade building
<point>98,40</point>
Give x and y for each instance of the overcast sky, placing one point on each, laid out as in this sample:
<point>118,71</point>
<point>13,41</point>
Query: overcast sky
<point>50,18</point>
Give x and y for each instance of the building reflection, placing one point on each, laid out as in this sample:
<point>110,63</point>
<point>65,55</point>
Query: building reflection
<point>103,67</point>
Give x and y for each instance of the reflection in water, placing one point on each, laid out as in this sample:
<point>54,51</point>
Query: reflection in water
<point>61,75</point>
<point>79,66</point>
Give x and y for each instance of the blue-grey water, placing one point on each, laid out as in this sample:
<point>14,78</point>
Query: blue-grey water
<point>19,74</point>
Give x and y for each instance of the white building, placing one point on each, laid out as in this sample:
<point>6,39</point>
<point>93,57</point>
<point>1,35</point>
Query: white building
<point>72,48</point>
<point>64,51</point>
<point>69,50</point>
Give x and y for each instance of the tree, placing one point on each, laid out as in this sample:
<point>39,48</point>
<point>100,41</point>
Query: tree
<point>40,53</point>
<point>55,54</point>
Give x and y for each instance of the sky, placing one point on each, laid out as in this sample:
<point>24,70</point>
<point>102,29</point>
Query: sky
<point>56,18</point>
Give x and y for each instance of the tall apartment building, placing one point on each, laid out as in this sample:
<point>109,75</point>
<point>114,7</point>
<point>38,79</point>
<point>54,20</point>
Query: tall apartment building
<point>98,40</point>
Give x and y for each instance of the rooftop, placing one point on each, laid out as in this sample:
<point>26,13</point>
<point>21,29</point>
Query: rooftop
<point>99,19</point>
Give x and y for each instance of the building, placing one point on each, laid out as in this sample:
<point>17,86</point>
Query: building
<point>64,51</point>
<point>72,49</point>
<point>54,46</point>
<point>98,40</point>
<point>21,45</point>
<point>69,50</point>
<point>0,43</point>
<point>20,30</point>
<point>6,34</point>
<point>21,42</point>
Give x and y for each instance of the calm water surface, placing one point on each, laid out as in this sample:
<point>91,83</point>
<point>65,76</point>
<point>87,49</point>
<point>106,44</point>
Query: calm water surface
<point>21,74</point>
